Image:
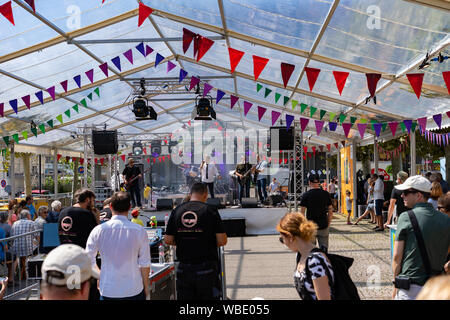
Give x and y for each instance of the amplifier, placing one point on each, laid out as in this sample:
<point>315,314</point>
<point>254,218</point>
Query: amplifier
<point>234,227</point>
<point>249,203</point>
<point>164,204</point>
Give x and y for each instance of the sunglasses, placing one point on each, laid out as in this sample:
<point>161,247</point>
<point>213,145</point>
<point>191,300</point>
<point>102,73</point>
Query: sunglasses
<point>406,192</point>
<point>281,240</point>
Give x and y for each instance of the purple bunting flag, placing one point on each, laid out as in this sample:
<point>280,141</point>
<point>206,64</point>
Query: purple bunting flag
<point>303,123</point>
<point>90,75</point>
<point>13,104</point>
<point>206,89</point>
<point>261,112</point>
<point>116,62</point>
<point>408,124</point>
<point>77,80</point>
<point>219,96</point>
<point>234,99</point>
<point>319,126</point>
<point>2,105</point>
<point>51,92</point>
<point>346,126</point>
<point>362,129</point>
<point>170,66</point>
<point>104,68</point>
<point>64,85</point>
<point>377,127</point>
<point>129,55</point>
<point>194,82</point>
<point>158,59</point>
<point>247,107</point>
<point>40,96</point>
<point>275,116</point>
<point>183,75</point>
<point>332,126</point>
<point>393,126</point>
<point>422,123</point>
<point>289,120</point>
<point>27,101</point>
<point>438,119</point>
<point>148,50</point>
<point>140,47</point>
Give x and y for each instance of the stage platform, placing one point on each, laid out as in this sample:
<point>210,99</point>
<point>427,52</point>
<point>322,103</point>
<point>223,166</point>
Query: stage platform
<point>258,221</point>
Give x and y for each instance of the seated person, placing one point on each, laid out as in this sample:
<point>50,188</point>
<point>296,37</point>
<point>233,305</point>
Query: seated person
<point>274,187</point>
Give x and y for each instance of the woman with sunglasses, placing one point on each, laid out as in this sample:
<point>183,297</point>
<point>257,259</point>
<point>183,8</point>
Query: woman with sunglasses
<point>298,234</point>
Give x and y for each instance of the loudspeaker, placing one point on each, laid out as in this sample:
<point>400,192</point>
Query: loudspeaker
<point>284,137</point>
<point>164,204</point>
<point>249,203</point>
<point>275,199</point>
<point>215,202</point>
<point>105,142</point>
<point>234,227</point>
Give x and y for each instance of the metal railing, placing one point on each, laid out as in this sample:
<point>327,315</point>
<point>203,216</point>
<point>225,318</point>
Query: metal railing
<point>19,287</point>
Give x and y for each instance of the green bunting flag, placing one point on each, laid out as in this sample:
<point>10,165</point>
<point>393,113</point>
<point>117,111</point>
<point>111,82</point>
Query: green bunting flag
<point>342,118</point>
<point>75,107</point>
<point>322,114</point>
<point>50,123</point>
<point>42,127</point>
<point>363,120</point>
<point>97,91</point>
<point>413,126</point>
<point>312,110</point>
<point>332,115</point>
<point>285,100</point>
<point>384,126</point>
<point>294,103</point>
<point>59,118</point>
<point>258,87</point>
<point>303,107</point>
<point>277,97</point>
<point>6,139</point>
<point>25,135</point>
<point>90,96</point>
<point>372,123</point>
<point>67,113</point>
<point>352,120</point>
<point>402,125</point>
<point>83,102</point>
<point>16,137</point>
<point>34,130</point>
<point>267,92</point>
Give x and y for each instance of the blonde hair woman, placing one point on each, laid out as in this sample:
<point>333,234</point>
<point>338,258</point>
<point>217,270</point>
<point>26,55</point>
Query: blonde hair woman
<point>437,288</point>
<point>436,192</point>
<point>298,234</point>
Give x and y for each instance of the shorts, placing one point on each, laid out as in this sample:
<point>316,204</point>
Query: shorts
<point>349,211</point>
<point>379,207</point>
<point>371,206</point>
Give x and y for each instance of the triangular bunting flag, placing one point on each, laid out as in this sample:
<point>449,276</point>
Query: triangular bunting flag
<point>383,126</point>
<point>322,114</point>
<point>408,124</point>
<point>319,126</point>
<point>446,76</point>
<point>289,120</point>
<point>206,89</point>
<point>341,78</point>
<point>402,126</point>
<point>261,112</point>
<point>203,46</point>
<point>104,68</point>
<point>303,123</point>
<point>393,126</point>
<point>6,139</point>
<point>294,103</point>
<point>64,85</point>
<point>303,107</point>
<point>413,126</point>
<point>77,80</point>
<point>42,127</point>
<point>6,11</point>
<point>336,144</point>
<point>158,59</point>
<point>67,113</point>
<point>219,96</point>
<point>116,62</point>
<point>258,87</point>
<point>342,118</point>
<point>312,74</point>
<point>377,128</point>
<point>415,80</point>
<point>51,92</point>
<point>16,137</point>
<point>267,92</point>
<point>84,103</point>
<point>97,91</point>
<point>372,80</point>
<point>140,47</point>
<point>2,105</point>
<point>286,72</point>
<point>332,126</point>
<point>332,115</point>
<point>275,116</point>
<point>312,110</point>
<point>422,123</point>
<point>343,143</point>
<point>247,107</point>
<point>362,129</point>
<point>90,75</point>
<point>194,82</point>
<point>58,156</point>
<point>25,135</point>
<point>129,55</point>
<point>285,100</point>
<point>353,120</point>
<point>346,127</point>
<point>144,12</point>
<point>34,131</point>
<point>40,96</point>
<point>437,118</point>
<point>183,75</point>
<point>31,4</point>
<point>59,118</point>
<point>329,147</point>
<point>187,39</point>
<point>234,99</point>
<point>170,66</point>
<point>148,50</point>
<point>90,96</point>
<point>259,64</point>
<point>50,123</point>
<point>13,104</point>
<point>235,58</point>
<point>277,97</point>
<point>123,157</point>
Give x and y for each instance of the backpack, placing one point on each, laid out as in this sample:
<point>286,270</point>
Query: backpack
<point>343,287</point>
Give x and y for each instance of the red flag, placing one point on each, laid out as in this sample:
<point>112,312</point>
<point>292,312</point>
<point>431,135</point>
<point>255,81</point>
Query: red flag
<point>372,80</point>
<point>144,12</point>
<point>123,157</point>
<point>203,46</point>
<point>74,159</point>
<point>31,4</point>
<point>102,160</point>
<point>415,80</point>
<point>336,145</point>
<point>58,156</point>
<point>96,160</point>
<point>81,161</point>
<point>286,72</point>
<point>145,150</point>
<point>6,11</point>
<point>148,160</point>
<point>312,74</point>
<point>235,58</point>
<point>329,147</point>
<point>259,64</point>
<point>341,78</point>
<point>446,75</point>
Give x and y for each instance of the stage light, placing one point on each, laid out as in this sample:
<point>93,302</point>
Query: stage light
<point>137,148</point>
<point>203,109</point>
<point>142,110</point>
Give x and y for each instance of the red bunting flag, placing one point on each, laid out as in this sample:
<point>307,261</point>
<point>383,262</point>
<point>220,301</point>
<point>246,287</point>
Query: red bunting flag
<point>234,99</point>
<point>346,126</point>
<point>58,156</point>
<point>303,123</point>
<point>26,100</point>
<point>393,126</point>
<point>372,80</point>
<point>329,147</point>
<point>104,68</point>
<point>204,44</point>
<point>6,11</point>
<point>102,160</point>
<point>286,72</point>
<point>422,123</point>
<point>194,82</point>
<point>312,74</point>
<point>415,80</point>
<point>81,161</point>
<point>188,35</point>
<point>123,157</point>
<point>235,58</point>
<point>259,64</point>
<point>446,76</point>
<point>314,150</point>
<point>74,159</point>
<point>96,160</point>
<point>144,12</point>
<point>148,160</point>
<point>341,78</point>
<point>336,145</point>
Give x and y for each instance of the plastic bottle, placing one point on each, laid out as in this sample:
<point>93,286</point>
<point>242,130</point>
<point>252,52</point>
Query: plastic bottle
<point>166,220</point>
<point>161,253</point>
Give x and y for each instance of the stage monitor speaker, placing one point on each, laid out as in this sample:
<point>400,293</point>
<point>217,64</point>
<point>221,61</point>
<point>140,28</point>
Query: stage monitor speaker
<point>215,202</point>
<point>249,203</point>
<point>234,227</point>
<point>164,204</point>
<point>105,141</point>
<point>284,137</point>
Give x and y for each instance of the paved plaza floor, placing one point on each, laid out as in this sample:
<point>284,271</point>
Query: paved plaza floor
<point>260,266</point>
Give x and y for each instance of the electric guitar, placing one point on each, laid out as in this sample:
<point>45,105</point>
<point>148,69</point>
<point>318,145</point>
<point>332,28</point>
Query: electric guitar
<point>130,183</point>
<point>246,176</point>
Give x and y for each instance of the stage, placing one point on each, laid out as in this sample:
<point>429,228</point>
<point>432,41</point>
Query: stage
<point>258,221</point>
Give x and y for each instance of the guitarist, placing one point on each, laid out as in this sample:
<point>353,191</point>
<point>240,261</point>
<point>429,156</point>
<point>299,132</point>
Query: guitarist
<point>129,173</point>
<point>261,178</point>
<point>243,172</point>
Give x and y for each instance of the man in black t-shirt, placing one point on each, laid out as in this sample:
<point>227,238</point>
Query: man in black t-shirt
<point>130,172</point>
<point>396,199</point>
<point>316,203</point>
<point>244,177</point>
<point>196,229</point>
<point>76,223</point>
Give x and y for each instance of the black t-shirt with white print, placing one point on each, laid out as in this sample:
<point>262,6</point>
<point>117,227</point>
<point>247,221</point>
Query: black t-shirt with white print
<point>194,225</point>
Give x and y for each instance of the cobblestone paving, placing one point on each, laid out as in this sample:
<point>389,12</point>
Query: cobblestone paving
<point>260,266</point>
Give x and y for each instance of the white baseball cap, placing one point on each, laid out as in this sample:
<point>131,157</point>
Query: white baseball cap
<point>65,261</point>
<point>417,183</point>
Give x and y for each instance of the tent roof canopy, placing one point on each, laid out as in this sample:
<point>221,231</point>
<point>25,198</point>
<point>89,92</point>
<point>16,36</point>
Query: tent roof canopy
<point>60,41</point>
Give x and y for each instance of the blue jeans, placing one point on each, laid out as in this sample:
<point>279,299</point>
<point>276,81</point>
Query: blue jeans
<point>262,184</point>
<point>140,296</point>
<point>244,189</point>
<point>379,207</point>
<point>135,194</point>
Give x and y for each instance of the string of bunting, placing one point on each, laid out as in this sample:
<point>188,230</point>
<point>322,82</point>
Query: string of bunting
<point>395,152</point>
<point>441,139</point>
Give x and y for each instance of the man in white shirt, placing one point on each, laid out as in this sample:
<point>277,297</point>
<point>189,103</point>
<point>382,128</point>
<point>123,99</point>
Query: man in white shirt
<point>124,251</point>
<point>261,178</point>
<point>378,196</point>
<point>208,171</point>
<point>274,187</point>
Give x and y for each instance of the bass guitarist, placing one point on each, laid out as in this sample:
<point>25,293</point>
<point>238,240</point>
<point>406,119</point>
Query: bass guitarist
<point>244,173</point>
<point>132,185</point>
